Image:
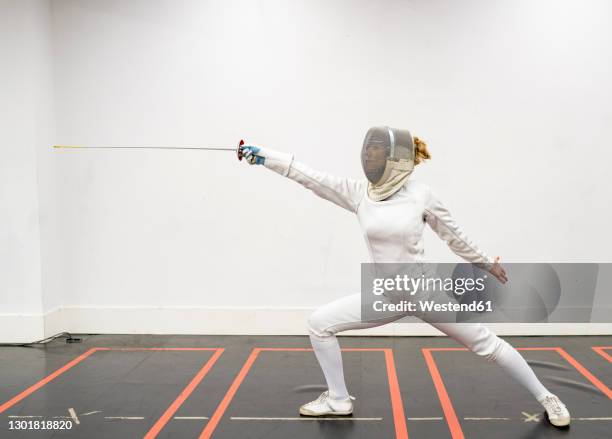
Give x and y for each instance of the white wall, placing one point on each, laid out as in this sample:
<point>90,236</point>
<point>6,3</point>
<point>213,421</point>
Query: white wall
<point>25,126</point>
<point>513,98</point>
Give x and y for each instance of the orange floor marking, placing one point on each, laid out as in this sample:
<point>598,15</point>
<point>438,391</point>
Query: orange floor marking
<point>163,420</point>
<point>445,401</point>
<point>399,417</point>
<point>601,351</point>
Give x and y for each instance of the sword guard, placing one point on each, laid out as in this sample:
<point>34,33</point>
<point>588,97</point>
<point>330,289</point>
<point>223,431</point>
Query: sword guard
<point>239,150</point>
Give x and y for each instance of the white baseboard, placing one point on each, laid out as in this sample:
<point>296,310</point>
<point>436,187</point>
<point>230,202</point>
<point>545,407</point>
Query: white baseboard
<point>21,328</point>
<point>228,321</point>
<point>54,322</point>
<point>263,321</point>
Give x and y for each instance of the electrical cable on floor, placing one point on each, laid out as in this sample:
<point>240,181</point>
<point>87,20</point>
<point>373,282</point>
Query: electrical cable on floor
<point>69,339</point>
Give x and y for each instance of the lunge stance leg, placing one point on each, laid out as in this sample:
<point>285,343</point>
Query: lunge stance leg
<point>323,325</point>
<point>480,340</point>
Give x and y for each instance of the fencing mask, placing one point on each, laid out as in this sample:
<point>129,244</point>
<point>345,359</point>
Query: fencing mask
<point>387,158</point>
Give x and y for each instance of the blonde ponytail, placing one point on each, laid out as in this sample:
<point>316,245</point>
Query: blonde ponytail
<point>421,151</point>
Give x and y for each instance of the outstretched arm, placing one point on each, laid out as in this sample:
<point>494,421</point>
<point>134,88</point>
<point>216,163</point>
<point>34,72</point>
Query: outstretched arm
<point>344,192</point>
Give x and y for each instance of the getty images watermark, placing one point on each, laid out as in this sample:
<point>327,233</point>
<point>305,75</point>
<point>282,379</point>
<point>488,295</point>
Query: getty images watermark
<point>535,292</point>
<point>403,284</point>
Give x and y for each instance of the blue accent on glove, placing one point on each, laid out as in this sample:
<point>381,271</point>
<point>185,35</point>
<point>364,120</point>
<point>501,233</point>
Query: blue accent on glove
<point>250,154</point>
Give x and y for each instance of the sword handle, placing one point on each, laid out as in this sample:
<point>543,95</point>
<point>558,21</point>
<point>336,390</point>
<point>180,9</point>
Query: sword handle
<point>239,150</point>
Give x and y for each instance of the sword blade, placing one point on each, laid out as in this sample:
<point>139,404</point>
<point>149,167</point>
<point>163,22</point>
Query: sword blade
<point>143,147</point>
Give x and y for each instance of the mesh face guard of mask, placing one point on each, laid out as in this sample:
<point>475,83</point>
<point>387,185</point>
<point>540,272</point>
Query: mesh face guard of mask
<point>382,147</point>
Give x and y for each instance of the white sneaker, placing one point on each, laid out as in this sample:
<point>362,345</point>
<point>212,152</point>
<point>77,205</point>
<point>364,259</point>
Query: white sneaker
<point>558,415</point>
<point>324,406</point>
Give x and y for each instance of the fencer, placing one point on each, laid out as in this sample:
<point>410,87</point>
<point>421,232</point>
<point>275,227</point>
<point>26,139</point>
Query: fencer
<point>393,210</point>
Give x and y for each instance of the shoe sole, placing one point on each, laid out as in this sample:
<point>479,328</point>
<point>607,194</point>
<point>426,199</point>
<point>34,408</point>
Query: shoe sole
<point>560,424</point>
<point>305,412</point>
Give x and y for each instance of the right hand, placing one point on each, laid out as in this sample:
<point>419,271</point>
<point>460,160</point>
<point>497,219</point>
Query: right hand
<point>253,155</point>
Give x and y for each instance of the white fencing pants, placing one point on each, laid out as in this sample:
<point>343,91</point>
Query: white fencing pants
<point>345,314</point>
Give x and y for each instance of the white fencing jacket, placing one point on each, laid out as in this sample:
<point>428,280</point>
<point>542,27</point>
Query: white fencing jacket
<point>392,228</point>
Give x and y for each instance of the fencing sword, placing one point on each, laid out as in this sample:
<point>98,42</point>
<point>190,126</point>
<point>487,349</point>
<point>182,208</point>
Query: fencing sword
<point>239,150</point>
